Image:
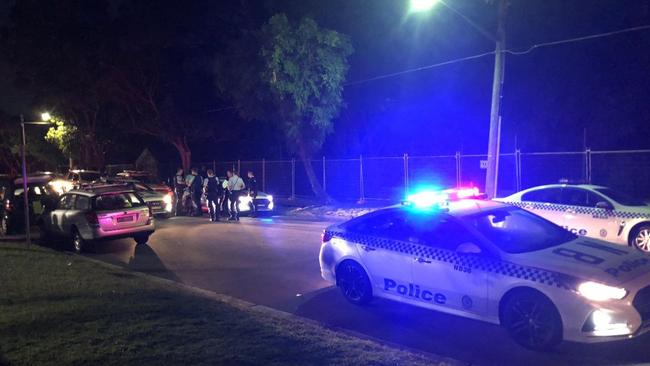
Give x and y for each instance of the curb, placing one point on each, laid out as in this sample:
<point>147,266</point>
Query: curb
<point>263,309</point>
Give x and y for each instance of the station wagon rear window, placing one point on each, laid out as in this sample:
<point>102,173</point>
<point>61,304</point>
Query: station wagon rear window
<point>117,201</point>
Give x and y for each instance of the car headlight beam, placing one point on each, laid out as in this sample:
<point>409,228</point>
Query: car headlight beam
<point>598,292</point>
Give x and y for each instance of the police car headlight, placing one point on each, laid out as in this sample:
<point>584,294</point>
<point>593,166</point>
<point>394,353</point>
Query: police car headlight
<point>270,198</point>
<point>245,199</point>
<point>598,292</point>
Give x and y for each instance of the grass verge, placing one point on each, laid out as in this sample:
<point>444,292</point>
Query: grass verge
<point>58,308</point>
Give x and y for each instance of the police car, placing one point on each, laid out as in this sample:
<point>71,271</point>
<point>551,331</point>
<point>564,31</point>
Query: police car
<point>493,262</point>
<point>590,210</point>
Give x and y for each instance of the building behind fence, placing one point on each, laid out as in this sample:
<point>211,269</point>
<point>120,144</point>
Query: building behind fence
<point>390,178</point>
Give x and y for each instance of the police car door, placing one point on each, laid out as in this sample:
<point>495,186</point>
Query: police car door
<point>381,240</point>
<point>583,218</point>
<point>443,272</point>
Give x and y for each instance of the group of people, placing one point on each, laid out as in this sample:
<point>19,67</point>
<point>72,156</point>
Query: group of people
<point>222,198</point>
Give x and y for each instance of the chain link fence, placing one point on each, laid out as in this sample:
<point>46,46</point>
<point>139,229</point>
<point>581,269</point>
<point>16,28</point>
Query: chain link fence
<point>390,178</point>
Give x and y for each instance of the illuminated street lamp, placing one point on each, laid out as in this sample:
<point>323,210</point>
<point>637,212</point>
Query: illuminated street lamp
<point>45,120</point>
<point>422,5</point>
<point>499,39</point>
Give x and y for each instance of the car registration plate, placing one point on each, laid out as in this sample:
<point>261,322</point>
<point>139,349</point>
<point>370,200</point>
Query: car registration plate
<point>125,219</point>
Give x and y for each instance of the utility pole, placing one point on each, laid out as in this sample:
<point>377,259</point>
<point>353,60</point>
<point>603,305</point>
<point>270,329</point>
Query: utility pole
<point>28,236</point>
<point>495,113</point>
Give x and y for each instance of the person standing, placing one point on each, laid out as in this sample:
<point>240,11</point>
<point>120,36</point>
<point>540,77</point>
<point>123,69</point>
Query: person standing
<point>179,188</point>
<point>196,190</point>
<point>251,184</point>
<point>212,190</point>
<point>225,195</point>
<point>235,187</point>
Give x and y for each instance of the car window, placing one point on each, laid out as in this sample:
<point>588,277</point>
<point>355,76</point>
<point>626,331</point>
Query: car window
<point>390,224</point>
<point>65,203</point>
<point>82,203</point>
<point>445,234</point>
<point>514,230</point>
<point>580,197</point>
<point>546,195</point>
<point>117,201</point>
<point>620,197</point>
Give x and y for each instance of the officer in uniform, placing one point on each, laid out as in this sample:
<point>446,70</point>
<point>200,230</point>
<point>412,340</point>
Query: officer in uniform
<point>236,186</point>
<point>196,191</point>
<point>179,189</point>
<point>223,203</point>
<point>212,190</point>
<point>251,184</point>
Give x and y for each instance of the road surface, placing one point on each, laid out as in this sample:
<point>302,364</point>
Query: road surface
<point>274,261</point>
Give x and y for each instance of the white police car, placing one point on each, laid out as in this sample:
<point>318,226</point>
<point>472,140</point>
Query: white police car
<point>589,210</point>
<point>493,262</point>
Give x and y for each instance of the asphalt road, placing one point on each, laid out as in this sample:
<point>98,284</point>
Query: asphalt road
<point>274,262</point>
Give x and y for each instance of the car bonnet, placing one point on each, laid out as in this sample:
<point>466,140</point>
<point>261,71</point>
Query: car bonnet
<point>589,259</point>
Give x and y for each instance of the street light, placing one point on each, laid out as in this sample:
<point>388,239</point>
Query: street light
<point>422,5</point>
<point>45,121</point>
<point>499,39</point>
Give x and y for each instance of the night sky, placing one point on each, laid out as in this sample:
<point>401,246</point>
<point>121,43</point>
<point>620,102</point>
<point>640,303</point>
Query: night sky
<point>551,95</point>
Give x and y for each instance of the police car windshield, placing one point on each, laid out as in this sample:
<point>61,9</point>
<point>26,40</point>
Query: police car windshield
<point>514,230</point>
<point>620,197</point>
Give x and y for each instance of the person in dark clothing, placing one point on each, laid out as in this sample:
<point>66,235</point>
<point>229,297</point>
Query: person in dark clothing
<point>179,187</point>
<point>212,190</point>
<point>225,196</point>
<point>196,190</point>
<point>252,192</point>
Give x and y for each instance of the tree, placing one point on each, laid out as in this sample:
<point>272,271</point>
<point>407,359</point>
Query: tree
<point>297,81</point>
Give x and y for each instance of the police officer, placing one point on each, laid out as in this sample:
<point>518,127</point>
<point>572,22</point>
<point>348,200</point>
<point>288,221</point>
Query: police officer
<point>179,188</point>
<point>251,184</point>
<point>196,190</point>
<point>212,190</point>
<point>236,186</point>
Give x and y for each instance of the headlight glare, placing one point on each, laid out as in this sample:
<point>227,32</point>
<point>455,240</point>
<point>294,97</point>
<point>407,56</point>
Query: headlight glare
<point>598,292</point>
<point>167,199</point>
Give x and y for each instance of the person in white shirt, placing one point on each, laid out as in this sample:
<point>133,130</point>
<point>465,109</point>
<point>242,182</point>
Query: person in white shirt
<point>235,186</point>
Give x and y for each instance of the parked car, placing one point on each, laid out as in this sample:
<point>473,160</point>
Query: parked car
<point>97,214</point>
<point>147,178</point>
<point>589,210</point>
<point>80,177</point>
<point>40,195</point>
<point>161,204</point>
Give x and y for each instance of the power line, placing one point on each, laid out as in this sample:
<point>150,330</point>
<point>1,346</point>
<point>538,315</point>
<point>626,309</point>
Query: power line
<point>578,39</point>
<point>385,76</point>
<point>512,52</point>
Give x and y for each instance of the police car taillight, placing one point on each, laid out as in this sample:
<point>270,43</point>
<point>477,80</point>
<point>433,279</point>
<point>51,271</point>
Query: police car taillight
<point>325,236</point>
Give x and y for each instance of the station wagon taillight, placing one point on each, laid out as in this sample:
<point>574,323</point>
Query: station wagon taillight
<point>92,219</point>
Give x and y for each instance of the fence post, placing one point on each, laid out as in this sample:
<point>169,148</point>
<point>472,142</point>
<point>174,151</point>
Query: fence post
<point>324,180</point>
<point>263,174</point>
<point>239,166</point>
<point>518,170</point>
<point>458,167</point>
<point>293,178</point>
<point>214,166</point>
<point>362,197</point>
<point>406,174</point>
<point>588,165</point>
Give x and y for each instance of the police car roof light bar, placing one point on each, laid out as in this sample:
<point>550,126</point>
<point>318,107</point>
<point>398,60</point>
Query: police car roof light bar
<point>431,199</point>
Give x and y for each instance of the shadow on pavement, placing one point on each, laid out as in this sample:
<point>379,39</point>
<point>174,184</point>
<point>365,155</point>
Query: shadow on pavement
<point>146,260</point>
<point>464,339</point>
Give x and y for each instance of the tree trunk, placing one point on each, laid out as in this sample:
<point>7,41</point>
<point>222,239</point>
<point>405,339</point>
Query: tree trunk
<point>185,154</point>
<point>316,186</point>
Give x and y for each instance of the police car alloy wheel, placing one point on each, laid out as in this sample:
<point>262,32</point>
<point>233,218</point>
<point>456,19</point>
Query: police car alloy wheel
<point>354,283</point>
<point>642,239</point>
<point>532,320</point>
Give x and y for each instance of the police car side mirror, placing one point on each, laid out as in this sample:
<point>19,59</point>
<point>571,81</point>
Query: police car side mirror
<point>468,248</point>
<point>604,205</point>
